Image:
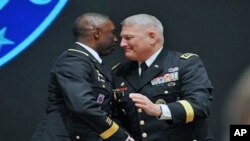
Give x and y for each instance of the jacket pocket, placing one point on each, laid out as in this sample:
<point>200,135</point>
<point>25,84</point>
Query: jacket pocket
<point>163,94</point>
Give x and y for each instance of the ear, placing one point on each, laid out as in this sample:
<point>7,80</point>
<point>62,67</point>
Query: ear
<point>152,37</point>
<point>97,33</point>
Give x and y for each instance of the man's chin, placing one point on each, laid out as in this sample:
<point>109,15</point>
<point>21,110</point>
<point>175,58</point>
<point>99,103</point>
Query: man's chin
<point>105,53</point>
<point>130,57</point>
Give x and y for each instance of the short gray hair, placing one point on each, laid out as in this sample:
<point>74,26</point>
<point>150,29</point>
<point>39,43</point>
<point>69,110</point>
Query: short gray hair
<point>144,19</point>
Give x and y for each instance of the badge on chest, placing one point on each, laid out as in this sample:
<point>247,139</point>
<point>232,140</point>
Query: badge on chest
<point>119,92</point>
<point>100,77</point>
<point>169,77</point>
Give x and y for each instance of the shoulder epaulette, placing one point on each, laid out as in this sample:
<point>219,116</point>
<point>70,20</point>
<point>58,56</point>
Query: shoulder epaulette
<point>187,55</point>
<point>86,54</point>
<point>115,66</point>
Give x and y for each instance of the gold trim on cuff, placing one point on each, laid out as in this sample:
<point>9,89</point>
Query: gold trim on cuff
<point>109,132</point>
<point>189,110</point>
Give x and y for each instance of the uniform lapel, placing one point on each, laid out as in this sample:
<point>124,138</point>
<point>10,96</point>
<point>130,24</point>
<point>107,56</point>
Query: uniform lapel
<point>132,75</point>
<point>154,69</point>
<point>149,74</point>
<point>101,68</point>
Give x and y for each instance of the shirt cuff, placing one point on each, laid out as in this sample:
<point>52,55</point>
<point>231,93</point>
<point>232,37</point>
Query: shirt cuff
<point>165,113</point>
<point>127,138</point>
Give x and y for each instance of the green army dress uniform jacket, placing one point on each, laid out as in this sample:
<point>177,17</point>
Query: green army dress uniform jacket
<point>78,106</point>
<point>178,80</point>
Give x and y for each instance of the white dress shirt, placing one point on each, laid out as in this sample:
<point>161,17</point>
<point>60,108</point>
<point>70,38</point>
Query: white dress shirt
<point>92,52</point>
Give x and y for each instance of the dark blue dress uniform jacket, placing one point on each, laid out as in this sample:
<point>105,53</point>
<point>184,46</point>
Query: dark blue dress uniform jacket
<point>178,80</point>
<point>78,105</point>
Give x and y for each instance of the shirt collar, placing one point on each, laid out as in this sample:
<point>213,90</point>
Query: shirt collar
<point>91,51</point>
<point>152,58</point>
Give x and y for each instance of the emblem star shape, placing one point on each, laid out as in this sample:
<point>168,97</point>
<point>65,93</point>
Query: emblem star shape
<point>3,3</point>
<point>3,40</point>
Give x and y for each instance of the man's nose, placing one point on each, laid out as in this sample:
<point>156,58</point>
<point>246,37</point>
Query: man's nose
<point>123,43</point>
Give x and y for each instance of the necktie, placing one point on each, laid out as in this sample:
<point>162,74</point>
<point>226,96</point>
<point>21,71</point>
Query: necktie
<point>143,68</point>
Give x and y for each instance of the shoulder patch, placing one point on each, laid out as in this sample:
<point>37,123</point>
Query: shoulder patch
<point>187,55</point>
<point>115,66</point>
<point>84,53</point>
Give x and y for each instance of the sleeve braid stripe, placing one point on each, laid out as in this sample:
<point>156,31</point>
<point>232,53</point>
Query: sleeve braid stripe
<point>189,110</point>
<point>109,132</point>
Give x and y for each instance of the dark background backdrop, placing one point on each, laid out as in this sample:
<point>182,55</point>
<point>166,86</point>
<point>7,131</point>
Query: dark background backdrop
<point>217,30</point>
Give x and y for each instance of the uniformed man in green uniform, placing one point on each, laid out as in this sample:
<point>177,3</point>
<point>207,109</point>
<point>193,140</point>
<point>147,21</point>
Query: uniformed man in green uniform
<point>78,105</point>
<point>160,95</point>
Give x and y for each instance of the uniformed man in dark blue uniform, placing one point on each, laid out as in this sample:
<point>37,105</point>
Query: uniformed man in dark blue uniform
<point>159,95</point>
<point>78,105</point>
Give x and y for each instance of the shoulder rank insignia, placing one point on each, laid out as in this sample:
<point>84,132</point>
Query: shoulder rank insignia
<point>187,55</point>
<point>84,53</point>
<point>115,66</point>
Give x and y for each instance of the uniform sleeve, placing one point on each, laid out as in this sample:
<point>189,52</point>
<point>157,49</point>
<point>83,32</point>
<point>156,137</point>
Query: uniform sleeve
<point>195,92</point>
<point>74,74</point>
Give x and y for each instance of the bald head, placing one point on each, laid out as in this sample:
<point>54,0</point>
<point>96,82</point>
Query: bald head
<point>86,23</point>
<point>96,31</point>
